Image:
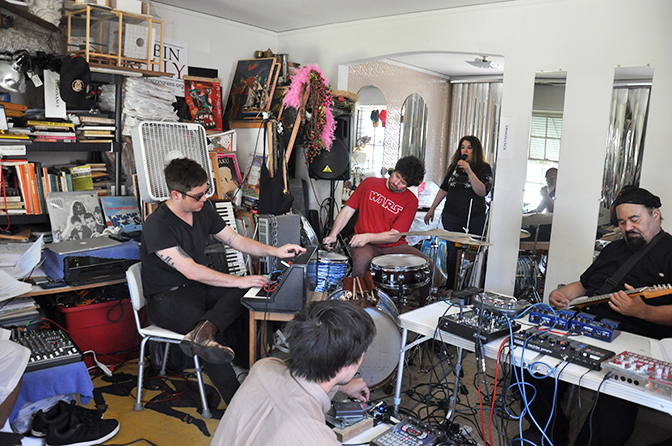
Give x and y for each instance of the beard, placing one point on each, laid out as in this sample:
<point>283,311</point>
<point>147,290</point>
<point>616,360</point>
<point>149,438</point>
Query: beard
<point>635,240</point>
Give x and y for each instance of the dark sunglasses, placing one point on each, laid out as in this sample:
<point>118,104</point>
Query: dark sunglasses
<point>195,197</point>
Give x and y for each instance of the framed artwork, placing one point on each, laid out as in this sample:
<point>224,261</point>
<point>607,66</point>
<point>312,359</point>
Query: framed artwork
<point>251,187</point>
<point>223,142</point>
<point>122,212</point>
<point>204,98</point>
<point>228,175</point>
<point>250,88</point>
<point>75,215</point>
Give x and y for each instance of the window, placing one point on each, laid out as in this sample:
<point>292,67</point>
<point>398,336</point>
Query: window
<point>544,153</point>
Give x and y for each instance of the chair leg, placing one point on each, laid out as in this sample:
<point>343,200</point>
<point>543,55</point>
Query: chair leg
<point>201,388</point>
<point>141,366</point>
<point>165,360</point>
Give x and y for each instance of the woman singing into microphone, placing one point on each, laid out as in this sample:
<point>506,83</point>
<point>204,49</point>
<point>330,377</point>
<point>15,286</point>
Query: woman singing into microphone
<point>468,181</point>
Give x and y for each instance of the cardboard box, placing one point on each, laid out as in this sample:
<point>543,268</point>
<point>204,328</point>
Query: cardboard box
<point>106,327</point>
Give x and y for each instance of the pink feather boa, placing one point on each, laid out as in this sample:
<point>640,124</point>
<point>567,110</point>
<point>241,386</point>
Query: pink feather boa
<point>292,98</point>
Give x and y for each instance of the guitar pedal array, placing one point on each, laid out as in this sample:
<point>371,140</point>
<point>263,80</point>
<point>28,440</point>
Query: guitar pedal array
<point>576,323</point>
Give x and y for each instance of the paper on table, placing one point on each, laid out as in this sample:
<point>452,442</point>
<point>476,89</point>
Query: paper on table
<point>665,349</point>
<point>10,287</point>
<point>28,261</point>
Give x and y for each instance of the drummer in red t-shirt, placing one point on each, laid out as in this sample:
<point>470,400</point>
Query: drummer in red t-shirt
<point>386,209</point>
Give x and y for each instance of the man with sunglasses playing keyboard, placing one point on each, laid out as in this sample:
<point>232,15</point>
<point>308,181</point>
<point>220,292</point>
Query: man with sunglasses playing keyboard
<point>183,294</point>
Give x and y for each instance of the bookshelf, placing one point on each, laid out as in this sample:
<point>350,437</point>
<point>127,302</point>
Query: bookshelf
<point>115,147</point>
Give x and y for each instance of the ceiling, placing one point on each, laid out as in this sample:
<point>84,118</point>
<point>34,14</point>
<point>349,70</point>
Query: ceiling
<point>288,15</point>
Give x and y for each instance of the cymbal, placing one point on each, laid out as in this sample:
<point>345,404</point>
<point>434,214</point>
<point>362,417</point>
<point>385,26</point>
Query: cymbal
<point>538,219</point>
<point>525,234</point>
<point>455,237</point>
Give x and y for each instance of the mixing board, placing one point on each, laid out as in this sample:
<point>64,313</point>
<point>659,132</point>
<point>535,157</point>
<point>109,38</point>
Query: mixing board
<point>49,347</point>
<point>562,347</point>
<point>643,372</point>
<point>474,323</point>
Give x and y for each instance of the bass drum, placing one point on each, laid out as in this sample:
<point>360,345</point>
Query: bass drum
<point>382,357</point>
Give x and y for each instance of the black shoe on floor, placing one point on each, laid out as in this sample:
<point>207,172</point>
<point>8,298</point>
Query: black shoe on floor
<point>81,432</point>
<point>57,414</point>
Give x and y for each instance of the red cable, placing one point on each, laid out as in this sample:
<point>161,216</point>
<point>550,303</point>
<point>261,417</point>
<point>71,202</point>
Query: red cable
<point>494,393</point>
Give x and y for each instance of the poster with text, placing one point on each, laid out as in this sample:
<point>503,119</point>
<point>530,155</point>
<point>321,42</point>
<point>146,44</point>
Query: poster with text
<point>175,60</point>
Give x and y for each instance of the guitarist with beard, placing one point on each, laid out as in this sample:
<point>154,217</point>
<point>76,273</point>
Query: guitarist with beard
<point>636,211</point>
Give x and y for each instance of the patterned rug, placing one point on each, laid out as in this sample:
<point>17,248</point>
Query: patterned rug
<point>172,414</point>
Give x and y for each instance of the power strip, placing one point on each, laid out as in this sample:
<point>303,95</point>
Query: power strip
<point>642,372</point>
<point>562,347</point>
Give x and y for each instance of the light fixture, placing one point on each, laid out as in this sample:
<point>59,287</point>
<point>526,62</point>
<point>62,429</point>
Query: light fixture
<point>482,62</point>
<point>11,73</point>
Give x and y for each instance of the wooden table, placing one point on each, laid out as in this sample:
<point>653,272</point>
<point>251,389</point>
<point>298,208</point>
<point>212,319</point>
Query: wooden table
<point>269,316</point>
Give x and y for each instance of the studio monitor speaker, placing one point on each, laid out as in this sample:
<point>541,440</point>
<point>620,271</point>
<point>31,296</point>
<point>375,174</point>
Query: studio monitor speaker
<point>335,163</point>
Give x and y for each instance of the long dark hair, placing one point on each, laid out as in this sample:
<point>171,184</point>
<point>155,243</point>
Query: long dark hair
<point>477,149</point>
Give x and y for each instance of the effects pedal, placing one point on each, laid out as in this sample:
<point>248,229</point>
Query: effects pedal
<point>576,323</point>
<point>642,372</point>
<point>545,316</point>
<point>49,347</point>
<point>409,432</point>
<point>474,323</point>
<point>562,347</point>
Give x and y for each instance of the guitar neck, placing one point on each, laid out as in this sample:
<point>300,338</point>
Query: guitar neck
<point>645,292</point>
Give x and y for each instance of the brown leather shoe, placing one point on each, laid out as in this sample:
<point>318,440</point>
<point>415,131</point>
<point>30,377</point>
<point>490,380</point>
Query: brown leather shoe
<point>201,341</point>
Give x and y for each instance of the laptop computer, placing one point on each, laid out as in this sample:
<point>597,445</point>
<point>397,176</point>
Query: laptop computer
<point>77,246</point>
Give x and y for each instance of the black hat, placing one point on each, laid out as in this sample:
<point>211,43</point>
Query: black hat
<point>75,77</point>
<point>634,195</point>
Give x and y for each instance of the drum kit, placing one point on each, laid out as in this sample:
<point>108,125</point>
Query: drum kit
<point>394,275</point>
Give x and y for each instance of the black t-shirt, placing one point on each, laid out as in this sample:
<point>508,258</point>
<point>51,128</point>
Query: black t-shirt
<point>163,230</point>
<point>655,268</point>
<point>460,192</point>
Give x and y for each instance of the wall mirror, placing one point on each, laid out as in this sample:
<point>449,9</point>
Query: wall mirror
<point>413,132</point>
<point>540,181</point>
<point>371,116</point>
<point>625,137</point>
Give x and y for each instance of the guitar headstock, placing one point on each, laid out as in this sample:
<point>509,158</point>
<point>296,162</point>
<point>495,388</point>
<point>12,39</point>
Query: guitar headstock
<point>655,291</point>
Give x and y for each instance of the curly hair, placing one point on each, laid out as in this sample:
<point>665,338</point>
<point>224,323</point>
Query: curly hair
<point>411,169</point>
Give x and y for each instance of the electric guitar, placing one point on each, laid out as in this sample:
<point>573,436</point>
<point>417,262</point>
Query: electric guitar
<point>646,292</point>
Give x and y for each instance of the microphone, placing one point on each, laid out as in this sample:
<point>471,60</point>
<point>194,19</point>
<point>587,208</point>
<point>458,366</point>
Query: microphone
<point>463,157</point>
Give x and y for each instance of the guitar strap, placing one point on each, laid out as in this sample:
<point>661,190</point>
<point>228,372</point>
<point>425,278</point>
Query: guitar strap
<point>613,281</point>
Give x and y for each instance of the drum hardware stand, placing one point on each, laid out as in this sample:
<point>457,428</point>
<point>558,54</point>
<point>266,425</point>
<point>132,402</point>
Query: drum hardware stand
<point>534,280</point>
<point>434,252</point>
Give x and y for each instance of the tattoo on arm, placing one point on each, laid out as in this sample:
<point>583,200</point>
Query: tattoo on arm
<point>167,259</point>
<point>231,238</point>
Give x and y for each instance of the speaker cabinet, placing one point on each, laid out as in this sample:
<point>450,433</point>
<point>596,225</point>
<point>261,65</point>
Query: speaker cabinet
<point>335,163</point>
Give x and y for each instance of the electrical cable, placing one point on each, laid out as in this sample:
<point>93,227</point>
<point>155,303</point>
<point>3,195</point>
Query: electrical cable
<point>592,411</point>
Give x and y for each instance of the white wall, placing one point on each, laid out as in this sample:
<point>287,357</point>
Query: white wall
<point>586,38</point>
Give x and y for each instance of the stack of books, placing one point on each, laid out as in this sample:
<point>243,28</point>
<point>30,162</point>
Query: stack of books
<point>96,129</point>
<point>27,179</point>
<point>52,131</point>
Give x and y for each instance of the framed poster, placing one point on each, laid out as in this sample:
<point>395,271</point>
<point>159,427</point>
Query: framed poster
<point>228,175</point>
<point>250,88</point>
<point>251,187</point>
<point>204,98</point>
<point>223,142</point>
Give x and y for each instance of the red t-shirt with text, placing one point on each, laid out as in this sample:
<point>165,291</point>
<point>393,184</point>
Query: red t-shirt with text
<point>381,210</point>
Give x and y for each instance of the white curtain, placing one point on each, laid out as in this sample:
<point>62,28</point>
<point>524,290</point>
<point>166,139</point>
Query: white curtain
<point>475,110</point>
<point>625,140</point>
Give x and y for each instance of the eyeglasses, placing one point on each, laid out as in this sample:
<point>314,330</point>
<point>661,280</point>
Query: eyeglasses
<point>194,197</point>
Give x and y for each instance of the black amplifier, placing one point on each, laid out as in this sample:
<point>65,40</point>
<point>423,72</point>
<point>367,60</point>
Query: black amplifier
<point>81,270</point>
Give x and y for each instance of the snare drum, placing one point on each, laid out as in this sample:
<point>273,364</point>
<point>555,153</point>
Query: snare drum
<point>331,269</point>
<point>400,272</point>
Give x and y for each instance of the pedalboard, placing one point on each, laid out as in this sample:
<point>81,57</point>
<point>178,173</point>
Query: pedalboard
<point>642,372</point>
<point>562,347</point>
<point>576,323</point>
<point>474,323</point>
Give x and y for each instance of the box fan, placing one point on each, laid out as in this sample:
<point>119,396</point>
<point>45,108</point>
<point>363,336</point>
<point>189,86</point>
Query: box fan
<point>158,143</point>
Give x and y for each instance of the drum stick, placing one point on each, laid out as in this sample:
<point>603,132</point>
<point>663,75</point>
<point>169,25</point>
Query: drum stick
<point>359,284</point>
